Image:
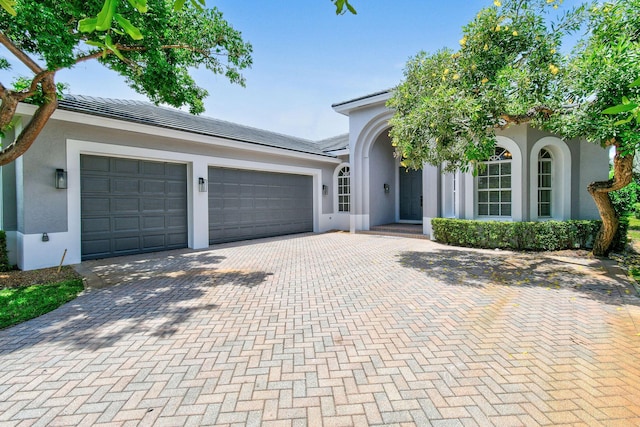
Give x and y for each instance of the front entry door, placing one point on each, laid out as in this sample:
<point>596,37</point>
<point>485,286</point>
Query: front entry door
<point>410,195</point>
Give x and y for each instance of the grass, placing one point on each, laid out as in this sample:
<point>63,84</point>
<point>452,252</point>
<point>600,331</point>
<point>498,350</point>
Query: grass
<point>19,304</point>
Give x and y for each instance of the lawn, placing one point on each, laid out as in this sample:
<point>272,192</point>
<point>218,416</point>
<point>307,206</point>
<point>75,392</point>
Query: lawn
<point>25,295</point>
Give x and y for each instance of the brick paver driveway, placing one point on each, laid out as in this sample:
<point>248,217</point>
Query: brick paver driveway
<point>333,329</point>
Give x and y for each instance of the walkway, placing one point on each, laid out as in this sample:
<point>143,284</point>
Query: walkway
<point>334,329</point>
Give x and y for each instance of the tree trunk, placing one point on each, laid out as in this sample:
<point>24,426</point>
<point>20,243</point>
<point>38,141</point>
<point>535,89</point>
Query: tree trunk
<point>622,175</point>
<point>31,131</point>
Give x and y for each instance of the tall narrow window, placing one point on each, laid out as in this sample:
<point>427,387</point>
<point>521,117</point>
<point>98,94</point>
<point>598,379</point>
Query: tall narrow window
<point>494,185</point>
<point>344,190</point>
<point>544,184</point>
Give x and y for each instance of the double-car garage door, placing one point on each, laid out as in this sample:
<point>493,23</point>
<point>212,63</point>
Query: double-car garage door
<point>131,206</point>
<point>246,204</point>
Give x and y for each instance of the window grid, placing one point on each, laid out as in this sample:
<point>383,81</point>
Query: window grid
<point>344,190</point>
<point>544,184</point>
<point>494,185</point>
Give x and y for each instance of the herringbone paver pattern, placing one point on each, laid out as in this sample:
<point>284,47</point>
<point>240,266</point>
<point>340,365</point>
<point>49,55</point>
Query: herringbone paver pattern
<point>334,329</point>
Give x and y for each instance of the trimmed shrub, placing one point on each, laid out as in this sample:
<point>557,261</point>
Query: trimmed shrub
<point>527,236</point>
<point>4,255</point>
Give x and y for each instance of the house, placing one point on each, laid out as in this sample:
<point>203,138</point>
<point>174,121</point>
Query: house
<point>112,177</point>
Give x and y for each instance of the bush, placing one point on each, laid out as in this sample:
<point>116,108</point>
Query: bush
<point>636,210</point>
<point>529,236</point>
<point>4,254</point>
<point>625,199</point>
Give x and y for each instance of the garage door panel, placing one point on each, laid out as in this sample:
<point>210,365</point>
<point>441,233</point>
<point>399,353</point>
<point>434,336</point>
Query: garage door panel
<point>173,187</point>
<point>153,187</point>
<point>126,166</point>
<point>97,184</point>
<point>176,221</point>
<point>96,225</point>
<point>124,205</point>
<point>125,186</point>
<point>99,247</point>
<point>154,241</point>
<point>152,222</point>
<point>152,205</point>
<point>94,163</point>
<point>127,208</point>
<point>246,204</point>
<point>126,224</point>
<point>126,244</point>
<point>176,171</point>
<point>153,168</point>
<point>96,205</point>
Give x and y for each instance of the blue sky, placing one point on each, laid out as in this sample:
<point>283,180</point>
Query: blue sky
<point>307,58</point>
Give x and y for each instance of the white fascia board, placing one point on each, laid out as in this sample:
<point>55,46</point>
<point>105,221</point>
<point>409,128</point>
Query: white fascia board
<point>350,106</point>
<point>89,119</point>
<point>343,152</point>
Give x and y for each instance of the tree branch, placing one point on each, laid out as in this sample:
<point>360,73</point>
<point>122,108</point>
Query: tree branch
<point>31,131</point>
<point>23,57</point>
<point>523,118</point>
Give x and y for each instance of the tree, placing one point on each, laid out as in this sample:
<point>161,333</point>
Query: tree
<point>44,36</point>
<point>151,43</point>
<point>508,71</point>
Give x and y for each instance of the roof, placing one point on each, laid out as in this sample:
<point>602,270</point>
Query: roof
<point>335,143</point>
<point>149,114</point>
<point>360,98</point>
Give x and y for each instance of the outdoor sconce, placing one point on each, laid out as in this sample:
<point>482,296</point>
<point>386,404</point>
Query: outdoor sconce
<point>386,187</point>
<point>202,185</point>
<point>61,179</point>
<point>325,190</point>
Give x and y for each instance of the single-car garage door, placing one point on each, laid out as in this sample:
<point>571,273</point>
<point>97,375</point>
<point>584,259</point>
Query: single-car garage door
<point>131,206</point>
<point>246,204</point>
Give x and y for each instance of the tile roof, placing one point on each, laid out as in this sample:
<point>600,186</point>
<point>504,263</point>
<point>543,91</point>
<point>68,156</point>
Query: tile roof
<point>334,143</point>
<point>149,114</point>
<point>360,98</point>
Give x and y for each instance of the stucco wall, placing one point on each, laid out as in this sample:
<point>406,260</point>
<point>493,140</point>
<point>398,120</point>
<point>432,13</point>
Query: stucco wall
<point>595,167</point>
<point>382,169</point>
<point>45,208</point>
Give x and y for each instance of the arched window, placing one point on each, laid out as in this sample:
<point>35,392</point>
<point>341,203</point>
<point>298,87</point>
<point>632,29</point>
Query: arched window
<point>494,185</point>
<point>545,162</point>
<point>344,190</point>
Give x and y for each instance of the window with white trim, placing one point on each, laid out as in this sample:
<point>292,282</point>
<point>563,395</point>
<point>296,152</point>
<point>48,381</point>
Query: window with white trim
<point>344,190</point>
<point>494,185</point>
<point>545,162</point>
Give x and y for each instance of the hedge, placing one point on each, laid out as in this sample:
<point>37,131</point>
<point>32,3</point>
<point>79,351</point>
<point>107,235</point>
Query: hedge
<point>4,257</point>
<point>527,236</point>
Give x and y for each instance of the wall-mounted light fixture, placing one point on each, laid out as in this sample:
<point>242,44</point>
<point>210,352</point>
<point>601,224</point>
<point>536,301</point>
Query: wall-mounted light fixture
<point>45,237</point>
<point>202,185</point>
<point>325,190</point>
<point>61,179</point>
<point>386,187</point>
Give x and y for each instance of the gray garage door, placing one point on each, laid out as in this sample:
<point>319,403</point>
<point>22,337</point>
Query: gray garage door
<point>132,206</point>
<point>245,204</point>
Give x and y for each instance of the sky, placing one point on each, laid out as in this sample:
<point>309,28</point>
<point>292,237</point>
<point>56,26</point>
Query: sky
<point>305,58</point>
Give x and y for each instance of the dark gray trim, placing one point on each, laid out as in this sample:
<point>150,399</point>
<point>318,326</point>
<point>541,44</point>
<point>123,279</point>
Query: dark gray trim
<point>371,95</point>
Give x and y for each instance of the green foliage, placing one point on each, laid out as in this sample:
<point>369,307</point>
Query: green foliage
<point>529,236</point>
<point>20,304</point>
<point>450,104</point>
<point>154,51</point>
<point>603,71</point>
<point>343,6</point>
<point>625,199</point>
<point>4,253</point>
<point>8,5</point>
<point>24,83</point>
